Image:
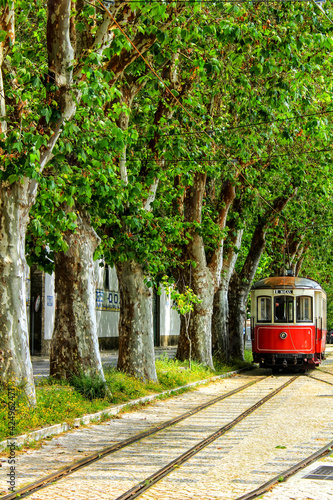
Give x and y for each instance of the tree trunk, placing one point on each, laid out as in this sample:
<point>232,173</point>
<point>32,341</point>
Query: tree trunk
<point>7,25</point>
<point>136,337</point>
<point>204,278</point>
<point>220,322</point>
<point>240,283</point>
<point>74,345</point>
<point>237,300</point>
<point>15,363</point>
<point>201,282</point>
<point>300,258</point>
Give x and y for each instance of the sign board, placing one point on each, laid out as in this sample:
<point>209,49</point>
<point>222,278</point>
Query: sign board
<point>107,300</point>
<point>284,292</point>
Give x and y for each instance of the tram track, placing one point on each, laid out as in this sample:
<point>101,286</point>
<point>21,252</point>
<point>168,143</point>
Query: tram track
<point>234,408</point>
<point>321,379</point>
<point>320,370</point>
<point>277,478</point>
<point>285,474</point>
<point>77,465</point>
<point>150,480</point>
<point>147,483</point>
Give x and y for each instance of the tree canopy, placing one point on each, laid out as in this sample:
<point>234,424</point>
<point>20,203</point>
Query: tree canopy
<point>175,130</point>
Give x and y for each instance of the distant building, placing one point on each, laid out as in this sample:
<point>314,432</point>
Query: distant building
<point>41,305</point>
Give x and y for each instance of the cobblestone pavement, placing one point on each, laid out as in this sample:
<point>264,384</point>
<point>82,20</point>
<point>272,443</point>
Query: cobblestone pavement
<point>285,430</point>
<point>298,487</point>
<point>75,444</point>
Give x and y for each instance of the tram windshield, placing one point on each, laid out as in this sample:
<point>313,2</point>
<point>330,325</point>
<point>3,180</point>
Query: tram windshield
<point>264,312</point>
<point>304,308</point>
<point>284,309</point>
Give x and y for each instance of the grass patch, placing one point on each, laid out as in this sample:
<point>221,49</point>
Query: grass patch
<point>91,387</point>
<point>63,401</point>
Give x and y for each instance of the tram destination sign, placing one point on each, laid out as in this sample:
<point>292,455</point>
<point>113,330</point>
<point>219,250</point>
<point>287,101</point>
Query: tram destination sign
<point>283,291</point>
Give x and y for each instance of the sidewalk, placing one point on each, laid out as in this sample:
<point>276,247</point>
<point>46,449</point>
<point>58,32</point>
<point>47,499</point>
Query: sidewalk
<point>41,364</point>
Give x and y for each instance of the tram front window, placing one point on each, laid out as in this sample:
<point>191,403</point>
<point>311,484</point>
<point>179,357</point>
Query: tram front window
<point>304,308</point>
<point>264,311</point>
<point>284,309</point>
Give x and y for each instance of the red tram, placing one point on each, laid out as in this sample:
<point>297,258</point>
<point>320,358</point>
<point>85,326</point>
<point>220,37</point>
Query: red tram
<point>288,322</point>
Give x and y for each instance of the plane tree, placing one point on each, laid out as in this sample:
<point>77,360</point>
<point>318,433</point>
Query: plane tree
<point>287,230</point>
<point>293,141</point>
<point>94,148</point>
<point>40,92</point>
<point>259,74</point>
<point>254,60</point>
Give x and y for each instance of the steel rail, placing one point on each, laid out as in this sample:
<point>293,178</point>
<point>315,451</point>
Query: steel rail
<point>320,380</point>
<point>287,473</point>
<point>74,466</point>
<point>324,371</point>
<point>164,471</point>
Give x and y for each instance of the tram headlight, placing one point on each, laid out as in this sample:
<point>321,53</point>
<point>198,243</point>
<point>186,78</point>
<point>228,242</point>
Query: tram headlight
<point>283,335</point>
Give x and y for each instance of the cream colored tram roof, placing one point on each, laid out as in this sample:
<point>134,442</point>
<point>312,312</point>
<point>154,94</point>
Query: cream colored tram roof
<point>286,282</point>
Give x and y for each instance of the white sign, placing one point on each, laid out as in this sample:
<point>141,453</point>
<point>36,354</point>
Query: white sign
<point>107,300</point>
<point>284,292</point>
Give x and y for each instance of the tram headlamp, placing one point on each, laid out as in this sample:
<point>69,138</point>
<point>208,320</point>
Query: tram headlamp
<point>283,335</point>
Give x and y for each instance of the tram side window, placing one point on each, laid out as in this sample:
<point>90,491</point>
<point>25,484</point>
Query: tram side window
<point>264,313</point>
<point>304,308</point>
<point>284,309</point>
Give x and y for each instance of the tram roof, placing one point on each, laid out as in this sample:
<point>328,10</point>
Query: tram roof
<point>287,282</point>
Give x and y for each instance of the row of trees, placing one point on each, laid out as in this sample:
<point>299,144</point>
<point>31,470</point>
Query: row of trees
<point>171,139</point>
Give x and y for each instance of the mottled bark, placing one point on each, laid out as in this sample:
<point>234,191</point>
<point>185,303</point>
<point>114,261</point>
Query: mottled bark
<point>239,288</point>
<point>287,250</point>
<point>201,282</point>
<point>300,258</point>
<point>220,322</point>
<point>15,363</point>
<point>60,41</point>
<point>136,338</point>
<point>199,279</point>
<point>17,199</point>
<point>74,345</point>
<point>297,253</point>
<point>136,335</point>
<point>3,123</point>
<point>204,278</point>
<point>240,283</point>
<point>129,89</point>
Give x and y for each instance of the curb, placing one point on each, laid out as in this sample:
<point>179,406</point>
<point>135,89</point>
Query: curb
<point>54,430</point>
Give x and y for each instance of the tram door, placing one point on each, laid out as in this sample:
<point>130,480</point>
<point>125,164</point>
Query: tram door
<point>36,308</point>
<point>156,318</point>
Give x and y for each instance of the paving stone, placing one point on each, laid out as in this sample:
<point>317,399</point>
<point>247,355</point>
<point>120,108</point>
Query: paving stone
<point>236,463</point>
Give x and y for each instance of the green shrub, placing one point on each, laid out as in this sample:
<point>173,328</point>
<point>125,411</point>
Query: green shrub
<point>90,386</point>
